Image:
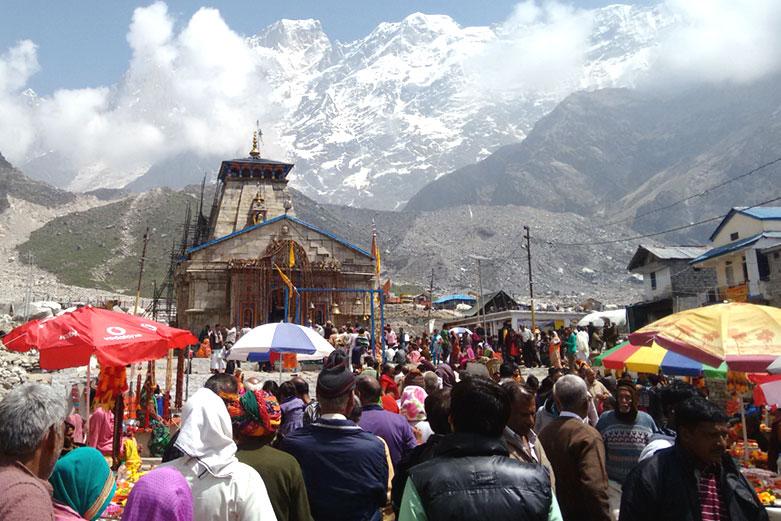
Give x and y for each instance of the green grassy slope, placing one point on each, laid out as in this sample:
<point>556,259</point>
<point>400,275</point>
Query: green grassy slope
<point>73,246</point>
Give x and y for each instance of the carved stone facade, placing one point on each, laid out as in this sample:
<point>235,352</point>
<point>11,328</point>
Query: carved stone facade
<point>235,278</point>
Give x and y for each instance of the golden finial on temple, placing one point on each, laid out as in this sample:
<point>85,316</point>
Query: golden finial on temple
<point>254,152</point>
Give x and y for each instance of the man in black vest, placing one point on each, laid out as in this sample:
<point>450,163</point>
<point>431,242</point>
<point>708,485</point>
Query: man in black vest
<point>472,475</point>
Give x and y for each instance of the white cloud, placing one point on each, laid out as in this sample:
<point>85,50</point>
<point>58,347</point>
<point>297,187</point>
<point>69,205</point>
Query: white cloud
<point>540,48</point>
<point>198,90</point>
<point>16,67</point>
<point>719,41</point>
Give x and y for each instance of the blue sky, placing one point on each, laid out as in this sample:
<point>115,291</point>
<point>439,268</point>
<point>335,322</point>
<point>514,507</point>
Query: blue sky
<point>82,43</point>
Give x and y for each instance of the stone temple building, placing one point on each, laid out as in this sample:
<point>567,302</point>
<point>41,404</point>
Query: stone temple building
<point>235,276</point>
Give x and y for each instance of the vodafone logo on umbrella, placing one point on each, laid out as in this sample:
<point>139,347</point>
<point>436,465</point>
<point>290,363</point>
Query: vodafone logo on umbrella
<point>119,333</point>
<point>70,334</point>
<point>149,327</point>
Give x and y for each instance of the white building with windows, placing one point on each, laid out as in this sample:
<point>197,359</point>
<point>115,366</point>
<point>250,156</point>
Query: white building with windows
<point>746,255</point>
<point>670,283</point>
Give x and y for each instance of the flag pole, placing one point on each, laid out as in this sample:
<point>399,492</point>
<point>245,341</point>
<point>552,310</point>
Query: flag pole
<point>377,267</point>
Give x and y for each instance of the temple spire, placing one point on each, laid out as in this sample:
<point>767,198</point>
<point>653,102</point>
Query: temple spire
<point>254,153</point>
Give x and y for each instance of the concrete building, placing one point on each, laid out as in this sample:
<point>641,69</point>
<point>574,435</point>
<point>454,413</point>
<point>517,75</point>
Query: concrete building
<point>670,283</point>
<point>746,255</point>
<point>236,275</point>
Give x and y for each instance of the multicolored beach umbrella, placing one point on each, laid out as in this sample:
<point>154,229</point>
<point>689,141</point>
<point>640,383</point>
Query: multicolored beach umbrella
<point>652,359</point>
<point>746,336</point>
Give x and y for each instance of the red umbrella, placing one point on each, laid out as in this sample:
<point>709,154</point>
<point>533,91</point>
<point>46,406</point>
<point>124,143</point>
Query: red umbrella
<point>68,340</point>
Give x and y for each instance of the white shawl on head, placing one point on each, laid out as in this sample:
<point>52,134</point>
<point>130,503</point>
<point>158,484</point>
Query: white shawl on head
<point>206,433</point>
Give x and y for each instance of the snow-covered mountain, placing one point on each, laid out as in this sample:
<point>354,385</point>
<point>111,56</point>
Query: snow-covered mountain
<point>370,122</point>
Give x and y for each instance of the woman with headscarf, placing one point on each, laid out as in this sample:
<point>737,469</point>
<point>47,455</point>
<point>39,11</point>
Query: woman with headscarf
<point>554,350</point>
<point>256,417</point>
<point>160,495</point>
<point>413,398</point>
<point>83,485</point>
<point>414,355</point>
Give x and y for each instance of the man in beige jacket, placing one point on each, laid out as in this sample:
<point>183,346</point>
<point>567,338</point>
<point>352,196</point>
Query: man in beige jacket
<point>576,454</point>
<point>519,432</point>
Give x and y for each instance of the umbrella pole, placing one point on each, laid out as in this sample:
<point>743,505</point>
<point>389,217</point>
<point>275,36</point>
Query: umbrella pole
<point>116,439</point>
<point>743,424</point>
<point>132,377</point>
<point>88,389</point>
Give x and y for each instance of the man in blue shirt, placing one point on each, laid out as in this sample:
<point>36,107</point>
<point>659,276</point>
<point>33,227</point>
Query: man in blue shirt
<point>391,427</point>
<point>345,468</point>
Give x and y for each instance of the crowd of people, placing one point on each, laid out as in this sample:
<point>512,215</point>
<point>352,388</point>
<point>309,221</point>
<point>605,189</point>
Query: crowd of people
<point>447,427</point>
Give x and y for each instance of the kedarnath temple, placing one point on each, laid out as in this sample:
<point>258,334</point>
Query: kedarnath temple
<point>254,242</point>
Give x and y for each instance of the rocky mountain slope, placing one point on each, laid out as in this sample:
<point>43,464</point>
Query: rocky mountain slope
<point>412,243</point>
<point>15,184</point>
<point>25,206</point>
<point>100,247</point>
<point>618,153</point>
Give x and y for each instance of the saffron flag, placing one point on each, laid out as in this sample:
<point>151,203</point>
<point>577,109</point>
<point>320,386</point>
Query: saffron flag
<point>285,279</point>
<point>292,255</point>
<point>376,254</point>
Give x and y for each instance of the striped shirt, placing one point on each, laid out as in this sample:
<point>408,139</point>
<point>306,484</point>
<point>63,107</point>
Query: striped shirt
<point>709,493</point>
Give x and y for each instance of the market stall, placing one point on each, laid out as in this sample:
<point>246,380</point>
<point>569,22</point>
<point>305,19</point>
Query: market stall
<point>745,337</point>
<point>117,340</point>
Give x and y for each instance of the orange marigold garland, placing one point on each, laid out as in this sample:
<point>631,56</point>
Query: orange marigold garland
<point>737,383</point>
<point>112,381</point>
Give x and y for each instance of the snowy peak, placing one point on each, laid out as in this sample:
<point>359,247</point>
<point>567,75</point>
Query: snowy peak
<point>416,28</point>
<point>295,46</point>
<point>291,35</point>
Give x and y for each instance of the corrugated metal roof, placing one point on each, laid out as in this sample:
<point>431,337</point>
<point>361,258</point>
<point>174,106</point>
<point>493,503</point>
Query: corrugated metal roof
<point>664,253</point>
<point>481,303</point>
<point>676,252</point>
<point>763,213</point>
<point>735,246</point>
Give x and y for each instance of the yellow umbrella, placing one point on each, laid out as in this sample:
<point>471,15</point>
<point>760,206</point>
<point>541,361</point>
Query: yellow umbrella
<point>745,336</point>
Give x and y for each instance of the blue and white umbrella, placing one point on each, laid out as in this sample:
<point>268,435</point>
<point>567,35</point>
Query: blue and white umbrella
<point>282,337</point>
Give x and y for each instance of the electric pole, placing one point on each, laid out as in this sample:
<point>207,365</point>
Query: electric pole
<point>531,283</point>
<point>431,296</point>
<point>28,294</point>
<point>141,270</point>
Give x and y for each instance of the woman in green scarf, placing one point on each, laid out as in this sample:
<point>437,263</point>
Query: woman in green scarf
<point>83,485</point>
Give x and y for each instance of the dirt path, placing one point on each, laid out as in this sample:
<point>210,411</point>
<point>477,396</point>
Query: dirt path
<point>128,241</point>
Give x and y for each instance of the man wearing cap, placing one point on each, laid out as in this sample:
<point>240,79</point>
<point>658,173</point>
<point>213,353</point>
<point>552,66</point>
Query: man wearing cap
<point>345,468</point>
<point>256,417</point>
